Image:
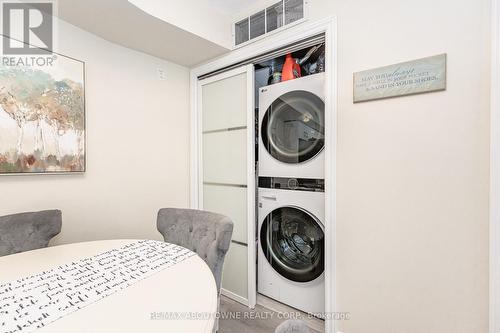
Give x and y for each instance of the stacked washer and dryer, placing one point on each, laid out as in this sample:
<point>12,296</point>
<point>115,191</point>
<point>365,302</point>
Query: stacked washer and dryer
<point>291,251</point>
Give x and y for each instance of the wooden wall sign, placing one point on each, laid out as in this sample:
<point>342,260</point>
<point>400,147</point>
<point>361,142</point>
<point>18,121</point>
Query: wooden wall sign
<point>406,78</point>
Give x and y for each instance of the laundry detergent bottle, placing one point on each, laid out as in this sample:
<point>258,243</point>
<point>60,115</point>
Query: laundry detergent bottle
<point>291,69</point>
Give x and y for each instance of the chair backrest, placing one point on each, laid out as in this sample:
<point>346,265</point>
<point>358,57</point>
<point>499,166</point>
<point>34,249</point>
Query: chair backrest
<point>292,326</point>
<point>208,234</point>
<point>28,231</point>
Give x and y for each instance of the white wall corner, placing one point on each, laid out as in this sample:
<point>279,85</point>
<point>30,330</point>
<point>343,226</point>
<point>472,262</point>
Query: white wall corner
<point>494,315</point>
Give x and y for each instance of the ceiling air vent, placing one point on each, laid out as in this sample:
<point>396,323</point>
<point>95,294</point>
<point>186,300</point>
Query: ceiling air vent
<point>274,17</point>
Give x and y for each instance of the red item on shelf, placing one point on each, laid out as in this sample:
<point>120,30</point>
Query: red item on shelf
<point>291,69</point>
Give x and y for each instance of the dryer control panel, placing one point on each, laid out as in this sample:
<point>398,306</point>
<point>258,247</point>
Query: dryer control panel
<point>294,184</point>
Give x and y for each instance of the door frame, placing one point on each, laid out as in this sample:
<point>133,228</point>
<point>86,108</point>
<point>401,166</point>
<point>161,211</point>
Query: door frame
<point>494,260</point>
<point>328,26</point>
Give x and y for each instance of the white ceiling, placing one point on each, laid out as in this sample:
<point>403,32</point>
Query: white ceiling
<point>123,23</point>
<point>233,7</point>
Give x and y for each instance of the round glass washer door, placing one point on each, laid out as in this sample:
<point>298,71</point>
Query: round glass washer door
<point>293,243</point>
<point>293,127</point>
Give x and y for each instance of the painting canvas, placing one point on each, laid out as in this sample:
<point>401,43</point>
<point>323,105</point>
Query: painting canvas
<point>42,117</point>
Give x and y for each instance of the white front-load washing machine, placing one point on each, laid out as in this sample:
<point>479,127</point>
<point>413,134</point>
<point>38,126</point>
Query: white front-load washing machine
<point>291,251</point>
<point>292,128</point>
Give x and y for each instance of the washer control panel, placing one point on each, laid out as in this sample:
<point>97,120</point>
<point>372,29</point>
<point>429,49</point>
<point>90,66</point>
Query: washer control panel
<point>294,184</point>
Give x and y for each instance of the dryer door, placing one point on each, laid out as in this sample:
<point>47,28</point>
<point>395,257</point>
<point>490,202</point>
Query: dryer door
<point>293,243</point>
<point>293,127</point>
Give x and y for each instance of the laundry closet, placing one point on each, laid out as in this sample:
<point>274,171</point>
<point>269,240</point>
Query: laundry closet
<point>262,130</point>
<point>290,172</point>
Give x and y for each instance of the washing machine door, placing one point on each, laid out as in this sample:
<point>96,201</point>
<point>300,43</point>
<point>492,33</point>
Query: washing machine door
<point>293,127</point>
<point>293,243</point>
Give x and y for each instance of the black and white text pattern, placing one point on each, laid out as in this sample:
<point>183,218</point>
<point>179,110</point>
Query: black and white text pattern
<point>37,300</point>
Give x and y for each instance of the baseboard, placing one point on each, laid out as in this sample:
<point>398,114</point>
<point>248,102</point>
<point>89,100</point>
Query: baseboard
<point>271,304</point>
<point>234,297</point>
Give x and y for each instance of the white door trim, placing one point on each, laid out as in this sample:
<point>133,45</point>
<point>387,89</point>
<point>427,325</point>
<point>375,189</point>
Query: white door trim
<point>251,201</point>
<point>494,324</point>
<point>328,26</point>
<point>330,172</point>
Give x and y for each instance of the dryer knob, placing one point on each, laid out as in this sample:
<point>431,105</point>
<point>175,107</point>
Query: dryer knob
<point>293,183</point>
<point>260,204</point>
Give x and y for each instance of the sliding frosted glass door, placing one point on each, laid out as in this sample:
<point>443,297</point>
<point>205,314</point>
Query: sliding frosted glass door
<point>227,170</point>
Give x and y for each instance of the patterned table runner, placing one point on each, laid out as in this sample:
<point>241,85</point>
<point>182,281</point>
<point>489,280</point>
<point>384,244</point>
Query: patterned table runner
<point>37,300</point>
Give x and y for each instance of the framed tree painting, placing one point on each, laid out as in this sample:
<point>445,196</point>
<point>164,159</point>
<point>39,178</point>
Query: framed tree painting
<point>42,116</point>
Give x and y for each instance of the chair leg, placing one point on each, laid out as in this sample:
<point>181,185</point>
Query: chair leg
<point>216,321</point>
<point>216,326</point>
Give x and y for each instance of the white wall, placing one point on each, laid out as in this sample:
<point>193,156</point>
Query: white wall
<point>412,210</point>
<point>137,147</point>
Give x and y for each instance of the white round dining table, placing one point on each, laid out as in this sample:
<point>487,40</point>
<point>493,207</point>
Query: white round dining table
<point>180,298</point>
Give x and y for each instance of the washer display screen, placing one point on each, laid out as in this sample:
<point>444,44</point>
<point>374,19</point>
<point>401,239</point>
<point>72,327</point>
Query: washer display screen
<point>293,243</point>
<point>293,127</point>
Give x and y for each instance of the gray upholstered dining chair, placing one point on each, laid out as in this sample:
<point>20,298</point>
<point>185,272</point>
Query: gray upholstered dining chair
<point>292,326</point>
<point>208,234</point>
<point>28,231</point>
